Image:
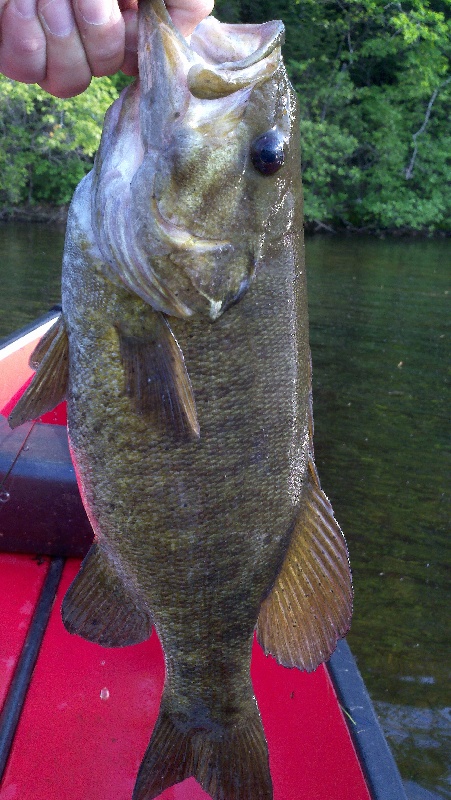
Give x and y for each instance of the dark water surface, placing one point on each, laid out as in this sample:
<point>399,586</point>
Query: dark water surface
<point>378,323</point>
<point>378,333</point>
<point>30,272</point>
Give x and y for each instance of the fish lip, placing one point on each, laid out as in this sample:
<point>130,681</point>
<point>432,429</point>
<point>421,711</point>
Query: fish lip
<point>241,56</point>
<point>273,37</point>
<point>218,78</point>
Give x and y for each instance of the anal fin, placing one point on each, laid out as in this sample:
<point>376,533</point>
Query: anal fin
<point>100,607</point>
<point>48,388</point>
<point>310,605</point>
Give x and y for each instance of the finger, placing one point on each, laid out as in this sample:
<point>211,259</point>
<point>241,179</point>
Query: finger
<point>23,45</point>
<point>130,63</point>
<point>102,32</point>
<point>186,14</point>
<point>68,72</point>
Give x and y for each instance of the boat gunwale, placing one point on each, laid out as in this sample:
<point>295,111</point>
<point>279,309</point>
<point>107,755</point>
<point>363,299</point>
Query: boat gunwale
<point>10,343</point>
<point>376,759</point>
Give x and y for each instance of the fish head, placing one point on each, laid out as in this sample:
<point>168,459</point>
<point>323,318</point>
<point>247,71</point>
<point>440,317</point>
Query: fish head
<point>203,145</point>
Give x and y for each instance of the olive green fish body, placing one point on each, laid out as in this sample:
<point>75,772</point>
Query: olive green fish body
<point>183,353</point>
<point>200,527</point>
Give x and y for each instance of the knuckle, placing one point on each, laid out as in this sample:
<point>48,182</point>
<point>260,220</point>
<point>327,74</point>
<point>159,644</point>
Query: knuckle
<point>19,68</point>
<point>106,63</point>
<point>205,7</point>
<point>68,72</point>
<point>29,46</point>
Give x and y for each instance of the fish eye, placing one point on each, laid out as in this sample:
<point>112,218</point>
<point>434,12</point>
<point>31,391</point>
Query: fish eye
<point>268,152</point>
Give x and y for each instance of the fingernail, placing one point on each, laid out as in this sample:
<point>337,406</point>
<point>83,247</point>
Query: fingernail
<point>26,8</point>
<point>95,12</point>
<point>58,17</point>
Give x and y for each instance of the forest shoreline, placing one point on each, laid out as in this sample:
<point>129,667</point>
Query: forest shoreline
<point>57,215</point>
<point>374,90</point>
<point>40,214</point>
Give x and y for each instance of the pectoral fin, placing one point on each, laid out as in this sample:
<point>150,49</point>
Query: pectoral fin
<point>48,388</point>
<point>157,379</point>
<point>101,608</point>
<point>310,605</point>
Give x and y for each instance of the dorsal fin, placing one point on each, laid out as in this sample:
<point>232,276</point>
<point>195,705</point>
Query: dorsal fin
<point>310,605</point>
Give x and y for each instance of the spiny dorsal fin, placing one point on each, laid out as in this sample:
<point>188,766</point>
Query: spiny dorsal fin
<point>157,380</point>
<point>49,385</point>
<point>310,605</point>
<point>100,607</point>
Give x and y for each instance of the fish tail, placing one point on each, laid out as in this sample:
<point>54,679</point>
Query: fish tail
<point>230,763</point>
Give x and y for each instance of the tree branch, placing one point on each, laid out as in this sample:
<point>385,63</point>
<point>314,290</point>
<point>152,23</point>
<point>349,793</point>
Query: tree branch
<point>409,170</point>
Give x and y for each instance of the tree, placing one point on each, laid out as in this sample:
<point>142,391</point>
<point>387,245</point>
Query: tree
<point>47,144</point>
<point>375,96</point>
<point>374,89</point>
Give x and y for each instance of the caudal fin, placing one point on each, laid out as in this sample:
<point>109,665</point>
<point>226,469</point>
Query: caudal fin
<point>229,763</point>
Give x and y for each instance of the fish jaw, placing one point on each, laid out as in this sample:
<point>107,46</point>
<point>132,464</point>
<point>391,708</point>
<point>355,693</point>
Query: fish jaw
<point>179,212</point>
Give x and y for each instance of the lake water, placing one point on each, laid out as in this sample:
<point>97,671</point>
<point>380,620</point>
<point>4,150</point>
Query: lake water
<point>378,317</point>
<point>379,312</point>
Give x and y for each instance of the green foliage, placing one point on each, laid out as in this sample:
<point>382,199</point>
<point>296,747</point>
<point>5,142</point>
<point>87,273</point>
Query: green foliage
<point>375,97</point>
<point>374,90</point>
<point>47,144</point>
<point>326,150</point>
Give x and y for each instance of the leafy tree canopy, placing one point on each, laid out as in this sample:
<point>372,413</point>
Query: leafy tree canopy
<point>374,89</point>
<point>48,144</point>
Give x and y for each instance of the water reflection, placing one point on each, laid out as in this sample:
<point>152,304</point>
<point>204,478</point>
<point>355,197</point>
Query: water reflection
<point>413,730</point>
<point>378,334</point>
<point>30,272</point>
<point>378,325</point>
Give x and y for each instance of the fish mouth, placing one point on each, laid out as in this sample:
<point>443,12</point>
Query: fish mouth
<point>219,60</point>
<point>221,75</point>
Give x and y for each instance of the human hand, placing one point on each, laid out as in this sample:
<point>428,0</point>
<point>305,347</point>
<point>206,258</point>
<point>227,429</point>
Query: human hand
<point>61,44</point>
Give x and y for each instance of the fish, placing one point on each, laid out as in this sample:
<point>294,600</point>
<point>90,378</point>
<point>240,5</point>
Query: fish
<point>182,350</point>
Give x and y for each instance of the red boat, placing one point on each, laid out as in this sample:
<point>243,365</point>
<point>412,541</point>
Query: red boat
<point>76,718</point>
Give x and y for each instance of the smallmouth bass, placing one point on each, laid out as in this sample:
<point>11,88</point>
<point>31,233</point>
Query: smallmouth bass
<point>182,350</point>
